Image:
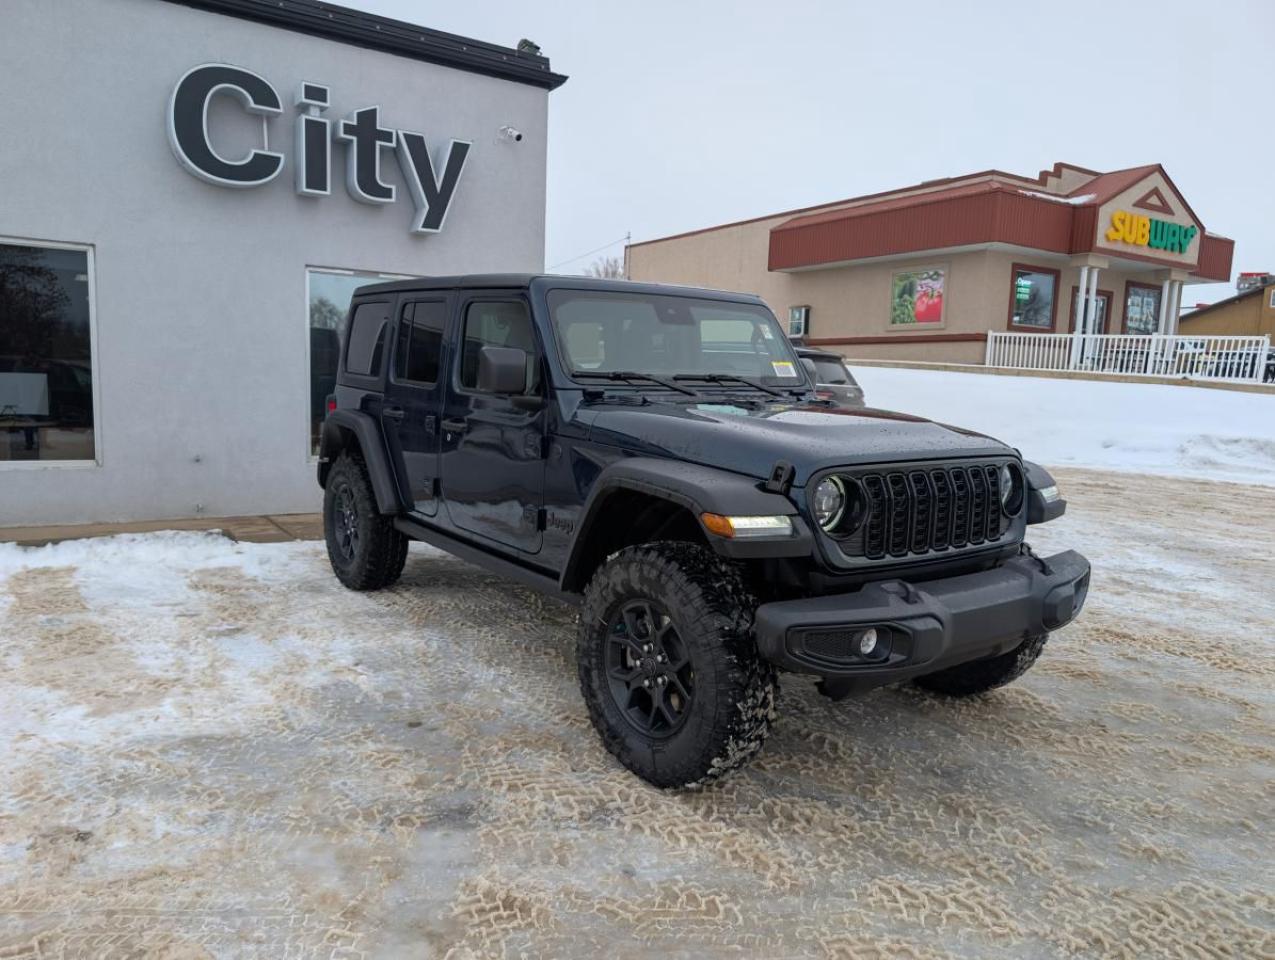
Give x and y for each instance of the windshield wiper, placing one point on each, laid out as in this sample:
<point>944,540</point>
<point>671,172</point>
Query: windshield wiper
<point>631,375</point>
<point>730,378</point>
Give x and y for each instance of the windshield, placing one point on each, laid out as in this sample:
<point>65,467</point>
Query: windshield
<point>669,336</point>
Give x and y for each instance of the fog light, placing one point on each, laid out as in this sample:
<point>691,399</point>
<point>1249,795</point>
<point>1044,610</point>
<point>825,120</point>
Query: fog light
<point>867,642</point>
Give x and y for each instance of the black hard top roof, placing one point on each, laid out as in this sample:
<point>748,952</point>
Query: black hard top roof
<point>507,281</point>
<point>813,352</point>
<point>333,22</point>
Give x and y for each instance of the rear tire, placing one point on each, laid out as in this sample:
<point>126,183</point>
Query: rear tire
<point>365,550</point>
<point>668,667</point>
<point>979,676</point>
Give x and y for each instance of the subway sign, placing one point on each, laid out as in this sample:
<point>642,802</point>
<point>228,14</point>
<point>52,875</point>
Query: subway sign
<point>1149,232</point>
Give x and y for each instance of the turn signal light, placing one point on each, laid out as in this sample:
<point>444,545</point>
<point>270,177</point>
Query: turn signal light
<point>741,528</point>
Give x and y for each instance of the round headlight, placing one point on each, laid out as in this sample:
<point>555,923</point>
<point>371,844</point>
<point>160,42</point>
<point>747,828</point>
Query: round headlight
<point>829,502</point>
<point>1011,484</point>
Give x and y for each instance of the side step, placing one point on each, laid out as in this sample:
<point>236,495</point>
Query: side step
<point>535,577</point>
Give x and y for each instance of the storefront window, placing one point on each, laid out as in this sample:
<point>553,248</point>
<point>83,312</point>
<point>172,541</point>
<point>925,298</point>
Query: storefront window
<point>916,297</point>
<point>329,293</point>
<point>1033,297</point>
<point>1141,309</point>
<point>46,357</point>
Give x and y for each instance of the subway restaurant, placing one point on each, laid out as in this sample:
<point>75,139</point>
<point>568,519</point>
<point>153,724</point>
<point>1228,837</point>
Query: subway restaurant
<point>925,272</point>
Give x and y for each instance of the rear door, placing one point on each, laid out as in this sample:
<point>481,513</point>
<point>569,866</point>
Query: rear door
<point>414,398</point>
<point>493,447</point>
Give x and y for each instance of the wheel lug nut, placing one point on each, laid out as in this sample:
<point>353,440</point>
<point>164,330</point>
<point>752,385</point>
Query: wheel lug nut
<point>646,648</point>
<point>661,658</point>
<point>646,683</point>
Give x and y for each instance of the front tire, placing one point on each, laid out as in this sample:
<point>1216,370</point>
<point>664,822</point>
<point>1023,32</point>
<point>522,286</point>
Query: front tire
<point>979,676</point>
<point>365,550</point>
<point>668,667</point>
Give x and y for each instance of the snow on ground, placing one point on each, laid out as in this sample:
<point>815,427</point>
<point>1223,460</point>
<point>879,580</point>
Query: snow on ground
<point>1142,427</point>
<point>212,749</point>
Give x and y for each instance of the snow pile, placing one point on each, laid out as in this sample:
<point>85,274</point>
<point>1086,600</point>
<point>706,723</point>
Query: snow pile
<point>1141,427</point>
<point>1079,201</point>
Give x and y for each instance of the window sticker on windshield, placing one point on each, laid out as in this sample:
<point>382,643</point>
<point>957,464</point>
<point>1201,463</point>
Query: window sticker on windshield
<point>768,333</point>
<point>783,368</point>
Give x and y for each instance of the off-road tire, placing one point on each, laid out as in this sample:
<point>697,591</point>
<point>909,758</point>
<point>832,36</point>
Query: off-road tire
<point>733,702</point>
<point>381,551</point>
<point>979,676</point>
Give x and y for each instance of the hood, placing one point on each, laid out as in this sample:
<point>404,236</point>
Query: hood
<point>750,439</point>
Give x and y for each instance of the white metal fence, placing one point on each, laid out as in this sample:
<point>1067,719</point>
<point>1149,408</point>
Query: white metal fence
<point>1232,359</point>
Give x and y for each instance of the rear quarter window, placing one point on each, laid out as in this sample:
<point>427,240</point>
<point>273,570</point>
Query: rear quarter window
<point>831,371</point>
<point>369,329</point>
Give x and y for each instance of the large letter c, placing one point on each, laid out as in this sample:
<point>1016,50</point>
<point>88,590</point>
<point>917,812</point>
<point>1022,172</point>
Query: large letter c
<point>188,124</point>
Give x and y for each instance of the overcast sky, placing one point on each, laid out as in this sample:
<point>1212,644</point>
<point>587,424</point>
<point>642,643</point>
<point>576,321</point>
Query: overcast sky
<point>680,115</point>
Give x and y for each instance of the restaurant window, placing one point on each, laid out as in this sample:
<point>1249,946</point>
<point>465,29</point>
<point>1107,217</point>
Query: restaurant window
<point>1101,310</point>
<point>1032,298</point>
<point>798,322</point>
<point>46,354</point>
<point>1141,309</point>
<point>328,293</point>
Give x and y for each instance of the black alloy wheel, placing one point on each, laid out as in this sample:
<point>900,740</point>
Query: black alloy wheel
<point>346,522</point>
<point>649,671</point>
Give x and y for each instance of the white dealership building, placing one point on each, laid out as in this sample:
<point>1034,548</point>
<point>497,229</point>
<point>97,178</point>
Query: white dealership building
<point>190,190</point>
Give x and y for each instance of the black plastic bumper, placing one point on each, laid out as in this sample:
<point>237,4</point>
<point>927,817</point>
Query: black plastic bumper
<point>924,627</point>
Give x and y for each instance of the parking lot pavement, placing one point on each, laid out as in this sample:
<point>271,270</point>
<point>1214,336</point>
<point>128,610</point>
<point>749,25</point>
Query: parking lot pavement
<point>209,748</point>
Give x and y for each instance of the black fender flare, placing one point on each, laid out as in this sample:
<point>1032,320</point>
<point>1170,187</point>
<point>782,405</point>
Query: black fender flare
<point>700,489</point>
<point>1040,509</point>
<point>338,428</point>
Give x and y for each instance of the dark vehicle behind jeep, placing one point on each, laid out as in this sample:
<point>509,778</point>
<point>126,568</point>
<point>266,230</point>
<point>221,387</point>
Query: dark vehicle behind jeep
<point>833,379</point>
<point>660,456</point>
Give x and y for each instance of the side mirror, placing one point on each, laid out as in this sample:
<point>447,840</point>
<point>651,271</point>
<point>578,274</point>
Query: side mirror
<point>502,370</point>
<point>810,369</point>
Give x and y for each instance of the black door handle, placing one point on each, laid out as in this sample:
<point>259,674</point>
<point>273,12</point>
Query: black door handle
<point>455,426</point>
<point>393,413</point>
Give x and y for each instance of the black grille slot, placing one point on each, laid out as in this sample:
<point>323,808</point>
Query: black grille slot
<point>900,513</point>
<point>960,508</point>
<point>978,500</point>
<point>922,511</point>
<point>927,509</point>
<point>874,534</point>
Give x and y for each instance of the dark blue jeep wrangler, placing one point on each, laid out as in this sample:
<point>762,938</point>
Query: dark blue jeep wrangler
<point>658,455</point>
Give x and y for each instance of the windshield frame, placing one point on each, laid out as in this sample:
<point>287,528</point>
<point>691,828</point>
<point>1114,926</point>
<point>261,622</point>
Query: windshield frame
<point>800,382</point>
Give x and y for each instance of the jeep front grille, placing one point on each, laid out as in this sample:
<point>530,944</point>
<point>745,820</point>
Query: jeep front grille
<point>926,509</point>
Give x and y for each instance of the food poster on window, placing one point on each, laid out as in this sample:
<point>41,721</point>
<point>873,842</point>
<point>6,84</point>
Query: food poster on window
<point>917,297</point>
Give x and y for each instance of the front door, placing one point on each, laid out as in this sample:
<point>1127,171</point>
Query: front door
<point>493,462</point>
<point>414,400</point>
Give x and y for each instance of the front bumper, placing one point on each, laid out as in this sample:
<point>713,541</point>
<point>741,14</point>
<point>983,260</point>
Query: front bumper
<point>924,627</point>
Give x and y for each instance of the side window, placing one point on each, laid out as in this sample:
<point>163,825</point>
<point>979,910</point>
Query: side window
<point>368,328</point>
<point>496,323</point>
<point>420,341</point>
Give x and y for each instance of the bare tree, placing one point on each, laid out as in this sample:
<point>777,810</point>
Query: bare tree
<point>606,268</point>
<point>325,314</point>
